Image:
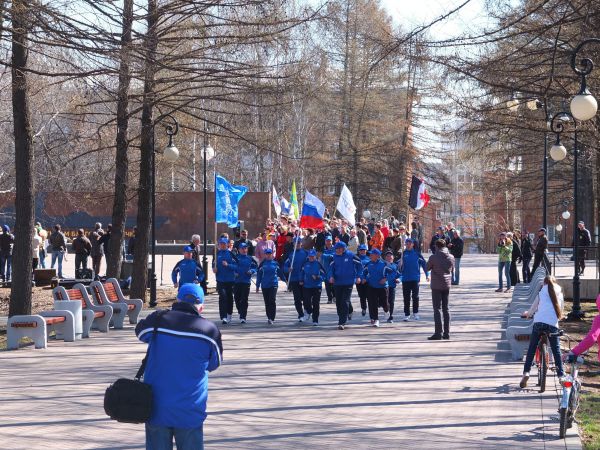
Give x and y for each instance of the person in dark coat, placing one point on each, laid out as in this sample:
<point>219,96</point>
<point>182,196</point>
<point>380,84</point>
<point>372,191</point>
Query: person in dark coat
<point>516,257</point>
<point>526,255</point>
<point>441,265</point>
<point>540,251</point>
<point>456,247</point>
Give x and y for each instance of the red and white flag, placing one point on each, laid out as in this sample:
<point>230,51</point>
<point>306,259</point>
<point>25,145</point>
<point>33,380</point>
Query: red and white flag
<point>419,198</point>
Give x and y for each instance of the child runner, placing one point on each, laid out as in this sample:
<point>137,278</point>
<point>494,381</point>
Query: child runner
<point>313,274</point>
<point>267,279</point>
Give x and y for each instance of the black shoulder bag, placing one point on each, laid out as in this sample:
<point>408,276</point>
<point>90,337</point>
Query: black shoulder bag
<point>130,401</point>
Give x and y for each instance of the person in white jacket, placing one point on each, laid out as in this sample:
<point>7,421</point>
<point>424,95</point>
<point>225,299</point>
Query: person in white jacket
<point>546,312</point>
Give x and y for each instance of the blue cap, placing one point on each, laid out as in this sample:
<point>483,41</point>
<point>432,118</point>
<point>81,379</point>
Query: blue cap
<point>409,240</point>
<point>340,244</point>
<point>268,251</point>
<point>188,249</point>
<point>328,238</point>
<point>312,252</point>
<point>191,293</point>
<point>363,247</point>
<point>375,251</point>
<point>223,241</point>
<point>243,245</point>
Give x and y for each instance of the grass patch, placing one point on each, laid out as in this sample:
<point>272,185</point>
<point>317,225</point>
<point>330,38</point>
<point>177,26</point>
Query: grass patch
<point>588,418</point>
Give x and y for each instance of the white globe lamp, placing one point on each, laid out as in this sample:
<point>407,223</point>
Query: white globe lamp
<point>566,215</point>
<point>171,153</point>
<point>559,228</point>
<point>584,106</point>
<point>366,214</point>
<point>558,152</point>
<point>210,152</point>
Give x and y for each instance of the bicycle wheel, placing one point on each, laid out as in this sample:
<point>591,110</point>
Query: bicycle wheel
<point>538,365</point>
<point>573,405</point>
<point>563,423</point>
<point>543,368</point>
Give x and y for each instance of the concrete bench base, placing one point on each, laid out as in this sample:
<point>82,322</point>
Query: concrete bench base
<point>38,326</point>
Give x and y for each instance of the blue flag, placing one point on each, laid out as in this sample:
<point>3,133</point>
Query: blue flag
<point>227,197</point>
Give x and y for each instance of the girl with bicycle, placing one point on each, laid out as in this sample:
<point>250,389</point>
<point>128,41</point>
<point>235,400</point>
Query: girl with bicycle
<point>547,307</point>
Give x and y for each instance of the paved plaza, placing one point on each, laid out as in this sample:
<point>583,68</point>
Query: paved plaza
<point>293,386</point>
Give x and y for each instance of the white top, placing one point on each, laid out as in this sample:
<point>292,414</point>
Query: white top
<point>543,308</point>
<point>35,246</point>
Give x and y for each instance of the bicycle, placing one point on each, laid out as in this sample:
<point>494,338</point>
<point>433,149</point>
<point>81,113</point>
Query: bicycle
<point>571,387</point>
<point>543,358</point>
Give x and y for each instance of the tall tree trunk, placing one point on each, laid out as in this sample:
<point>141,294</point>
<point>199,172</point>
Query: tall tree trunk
<point>119,213</point>
<point>20,292</point>
<point>145,192</point>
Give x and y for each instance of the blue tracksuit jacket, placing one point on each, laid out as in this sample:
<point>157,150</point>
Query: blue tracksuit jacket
<point>410,264</point>
<point>345,269</point>
<point>185,349</point>
<point>392,275</point>
<point>374,272</point>
<point>189,272</point>
<point>225,274</point>
<point>267,274</point>
<point>313,274</point>
<point>299,260</point>
<point>244,269</point>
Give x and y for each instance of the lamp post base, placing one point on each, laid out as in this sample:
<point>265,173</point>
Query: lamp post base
<point>575,316</point>
<point>153,303</point>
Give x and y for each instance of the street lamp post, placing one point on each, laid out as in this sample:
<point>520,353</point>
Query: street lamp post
<point>170,153</point>
<point>207,154</point>
<point>558,152</point>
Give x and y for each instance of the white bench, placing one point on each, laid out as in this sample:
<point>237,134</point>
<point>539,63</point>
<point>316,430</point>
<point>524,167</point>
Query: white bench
<point>39,326</point>
<point>92,315</point>
<point>110,293</point>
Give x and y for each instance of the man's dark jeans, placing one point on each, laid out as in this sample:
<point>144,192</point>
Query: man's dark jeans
<point>439,298</point>
<point>342,302</point>
<point>526,270</point>
<point>5,265</point>
<point>538,329</point>
<point>81,260</point>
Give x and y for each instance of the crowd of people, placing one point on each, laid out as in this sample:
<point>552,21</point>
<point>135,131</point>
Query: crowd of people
<point>375,257</point>
<point>514,248</point>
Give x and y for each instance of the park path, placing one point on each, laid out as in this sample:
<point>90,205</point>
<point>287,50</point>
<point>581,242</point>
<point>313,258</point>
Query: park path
<point>294,386</point>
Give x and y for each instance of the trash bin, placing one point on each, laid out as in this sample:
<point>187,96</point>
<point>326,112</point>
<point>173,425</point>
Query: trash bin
<point>126,269</point>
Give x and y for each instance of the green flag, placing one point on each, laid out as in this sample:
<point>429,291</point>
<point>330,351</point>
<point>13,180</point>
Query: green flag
<point>294,201</point>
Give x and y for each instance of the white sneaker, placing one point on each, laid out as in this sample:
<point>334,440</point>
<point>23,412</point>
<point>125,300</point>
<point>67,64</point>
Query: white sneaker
<point>306,317</point>
<point>315,324</point>
<point>406,318</point>
<point>270,322</point>
<point>224,321</point>
<point>242,320</point>
<point>376,324</point>
<point>301,319</point>
<point>416,317</point>
<point>228,318</point>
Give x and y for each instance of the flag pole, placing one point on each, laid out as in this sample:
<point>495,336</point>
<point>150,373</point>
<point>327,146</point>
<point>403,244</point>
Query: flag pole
<point>294,253</point>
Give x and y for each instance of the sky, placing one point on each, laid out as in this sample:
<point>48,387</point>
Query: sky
<point>412,13</point>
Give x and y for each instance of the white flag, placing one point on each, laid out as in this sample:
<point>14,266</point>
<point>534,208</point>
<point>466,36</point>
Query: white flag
<point>346,206</point>
<point>276,202</point>
<point>286,206</point>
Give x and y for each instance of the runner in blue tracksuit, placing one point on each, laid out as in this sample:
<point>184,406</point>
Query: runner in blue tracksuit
<point>313,275</point>
<point>267,279</point>
<point>224,269</point>
<point>326,259</point>
<point>410,267</point>
<point>361,288</point>
<point>298,258</point>
<point>343,272</point>
<point>393,277</point>
<point>244,269</point>
<point>188,269</point>
<point>375,279</point>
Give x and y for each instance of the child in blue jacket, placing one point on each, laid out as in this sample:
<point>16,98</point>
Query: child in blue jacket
<point>267,279</point>
<point>313,275</point>
<point>375,278</point>
<point>393,278</point>
<point>244,269</point>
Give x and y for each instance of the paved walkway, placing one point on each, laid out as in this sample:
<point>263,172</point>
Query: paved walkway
<point>294,386</point>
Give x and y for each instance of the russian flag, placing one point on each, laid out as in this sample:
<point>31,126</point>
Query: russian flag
<point>313,211</point>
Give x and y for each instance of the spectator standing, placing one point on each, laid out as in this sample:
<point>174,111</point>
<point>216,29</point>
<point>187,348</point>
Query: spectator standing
<point>585,240</point>
<point>262,244</point>
<point>105,241</point>
<point>504,249</point>
<point>526,255</point>
<point>244,240</point>
<point>36,242</point>
<point>385,228</point>
<point>377,238</point>
<point>131,243</point>
<point>58,244</point>
<point>82,247</point>
<point>7,241</point>
<point>180,357</point>
<point>456,247</point>
<point>415,235</point>
<point>361,234</point>
<point>97,248</point>
<point>436,237</point>
<point>441,264</point>
<point>515,258</point>
<point>354,242</point>
<point>539,254</point>
<point>43,234</point>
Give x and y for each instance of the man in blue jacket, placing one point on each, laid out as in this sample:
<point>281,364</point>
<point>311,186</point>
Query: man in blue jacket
<point>188,269</point>
<point>181,352</point>
<point>326,259</point>
<point>313,274</point>
<point>344,271</point>
<point>411,263</point>
<point>224,269</point>
<point>244,269</point>
<point>292,268</point>
<point>375,279</point>
<point>393,277</point>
